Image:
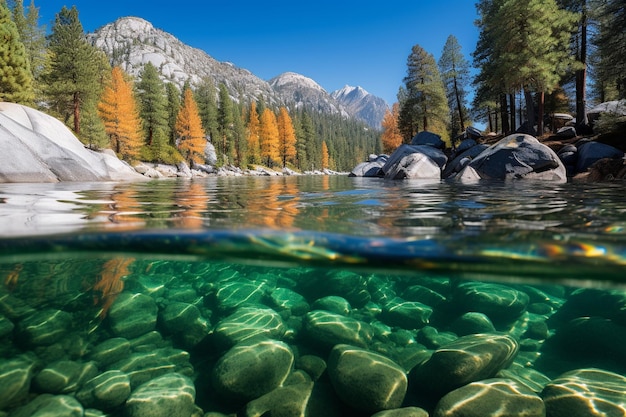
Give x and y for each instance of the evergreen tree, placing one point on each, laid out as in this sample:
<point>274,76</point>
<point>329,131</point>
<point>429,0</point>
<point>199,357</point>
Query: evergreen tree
<point>94,132</point>
<point>305,140</point>
<point>173,107</point>
<point>153,111</point>
<point>34,39</point>
<point>16,82</point>
<point>286,137</point>
<point>73,76</point>
<point>206,97</point>
<point>240,140</point>
<point>268,137</point>
<point>118,110</point>
<point>391,136</point>
<point>254,147</point>
<point>225,124</point>
<point>426,106</point>
<point>455,73</point>
<point>611,48</point>
<point>191,137</point>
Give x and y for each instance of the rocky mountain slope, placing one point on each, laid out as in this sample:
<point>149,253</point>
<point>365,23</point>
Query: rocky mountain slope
<point>131,42</point>
<point>361,104</point>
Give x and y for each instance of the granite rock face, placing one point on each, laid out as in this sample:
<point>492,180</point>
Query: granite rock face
<point>39,148</point>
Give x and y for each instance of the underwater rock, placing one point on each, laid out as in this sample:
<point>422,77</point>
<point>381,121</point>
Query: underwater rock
<point>144,366</point>
<point>284,299</point>
<point>110,351</point>
<point>184,322</point>
<point>248,371</point>
<point>472,323</point>
<point>529,377</point>
<point>105,391</point>
<point>15,378</point>
<point>334,304</point>
<point>170,395</point>
<point>64,377</point>
<point>347,284</point>
<point>6,326</point>
<point>237,293</point>
<point>403,412</point>
<point>366,380</point>
<point>467,359</point>
<point>491,397</point>
<point>43,328</point>
<point>246,323</point>
<point>537,329</point>
<point>500,303</point>
<point>433,338</point>
<point>406,314</point>
<point>132,315</point>
<point>586,392</point>
<point>423,295</point>
<point>313,365</point>
<point>330,329</point>
<point>290,400</point>
<point>50,405</point>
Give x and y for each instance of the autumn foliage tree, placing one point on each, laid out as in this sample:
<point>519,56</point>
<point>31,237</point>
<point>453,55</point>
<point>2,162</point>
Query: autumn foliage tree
<point>254,148</point>
<point>191,138</point>
<point>286,137</point>
<point>118,110</point>
<point>325,156</point>
<point>391,136</point>
<point>268,137</point>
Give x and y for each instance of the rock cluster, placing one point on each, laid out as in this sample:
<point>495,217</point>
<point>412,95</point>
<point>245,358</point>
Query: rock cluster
<point>518,156</point>
<point>214,339</point>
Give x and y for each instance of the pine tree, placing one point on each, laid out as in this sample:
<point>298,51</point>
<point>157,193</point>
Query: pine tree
<point>391,136</point>
<point>94,132</point>
<point>73,76</point>
<point>305,140</point>
<point>33,37</point>
<point>240,139</point>
<point>286,137</point>
<point>455,73</point>
<point>16,82</point>
<point>206,97</point>
<point>426,106</point>
<point>118,110</point>
<point>268,137</point>
<point>254,147</point>
<point>611,48</point>
<point>173,107</point>
<point>153,111</point>
<point>325,156</point>
<point>225,123</point>
<point>189,132</point>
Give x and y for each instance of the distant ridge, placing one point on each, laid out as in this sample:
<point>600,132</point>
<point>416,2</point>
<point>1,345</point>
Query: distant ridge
<point>131,42</point>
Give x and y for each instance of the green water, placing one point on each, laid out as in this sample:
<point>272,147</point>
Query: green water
<point>149,280</point>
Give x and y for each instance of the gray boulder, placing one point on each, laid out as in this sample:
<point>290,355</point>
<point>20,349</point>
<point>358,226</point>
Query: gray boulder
<point>591,152</point>
<point>415,162</point>
<point>517,156</point>
<point>463,157</point>
<point>370,168</point>
<point>39,148</point>
<point>428,139</point>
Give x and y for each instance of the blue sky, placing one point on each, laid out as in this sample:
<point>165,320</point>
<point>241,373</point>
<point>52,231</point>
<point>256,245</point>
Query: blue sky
<point>333,42</point>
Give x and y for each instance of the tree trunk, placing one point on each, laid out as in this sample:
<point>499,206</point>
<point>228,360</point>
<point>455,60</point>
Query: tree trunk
<point>530,108</point>
<point>458,105</point>
<point>76,110</point>
<point>581,74</point>
<point>542,97</point>
<point>504,115</point>
<point>512,113</point>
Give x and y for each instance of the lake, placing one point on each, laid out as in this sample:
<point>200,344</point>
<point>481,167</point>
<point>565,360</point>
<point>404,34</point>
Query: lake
<point>312,296</point>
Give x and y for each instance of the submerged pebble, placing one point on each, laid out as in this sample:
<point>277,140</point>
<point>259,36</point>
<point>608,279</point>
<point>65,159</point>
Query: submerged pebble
<point>214,339</point>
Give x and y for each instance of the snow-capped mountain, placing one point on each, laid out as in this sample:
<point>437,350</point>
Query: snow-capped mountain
<point>304,92</point>
<point>361,104</point>
<point>131,42</point>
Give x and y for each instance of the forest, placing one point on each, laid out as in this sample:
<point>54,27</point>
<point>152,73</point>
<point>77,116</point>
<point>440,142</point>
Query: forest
<point>533,58</point>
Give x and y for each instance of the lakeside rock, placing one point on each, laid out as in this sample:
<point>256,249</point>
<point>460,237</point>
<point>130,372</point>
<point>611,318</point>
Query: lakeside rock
<point>39,148</point>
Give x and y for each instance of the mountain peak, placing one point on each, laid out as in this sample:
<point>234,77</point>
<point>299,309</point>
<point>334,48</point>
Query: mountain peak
<point>355,93</point>
<point>293,78</point>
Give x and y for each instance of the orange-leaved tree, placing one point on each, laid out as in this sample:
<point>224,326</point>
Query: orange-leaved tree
<point>190,135</point>
<point>268,137</point>
<point>254,148</point>
<point>391,136</point>
<point>286,137</point>
<point>325,156</point>
<point>118,110</point>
